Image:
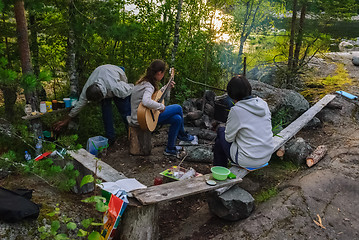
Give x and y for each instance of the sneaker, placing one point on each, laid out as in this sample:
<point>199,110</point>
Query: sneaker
<point>186,143</point>
<point>172,152</point>
<point>186,137</point>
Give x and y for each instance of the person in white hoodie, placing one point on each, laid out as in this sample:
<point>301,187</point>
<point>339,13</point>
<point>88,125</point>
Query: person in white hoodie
<point>247,138</point>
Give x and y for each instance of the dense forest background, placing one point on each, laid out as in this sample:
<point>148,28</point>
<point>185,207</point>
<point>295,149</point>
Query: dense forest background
<point>49,48</point>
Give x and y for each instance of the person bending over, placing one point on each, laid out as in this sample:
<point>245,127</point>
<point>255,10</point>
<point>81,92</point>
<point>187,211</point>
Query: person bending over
<point>247,138</point>
<point>107,83</point>
<point>172,114</point>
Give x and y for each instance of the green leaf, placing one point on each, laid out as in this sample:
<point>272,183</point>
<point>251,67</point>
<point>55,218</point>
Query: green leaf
<point>97,224</point>
<point>55,225</point>
<point>41,229</point>
<point>101,207</point>
<point>87,179</point>
<point>94,199</point>
<point>61,236</point>
<point>43,235</point>
<point>94,236</point>
<point>82,233</point>
<point>71,226</point>
<point>86,222</point>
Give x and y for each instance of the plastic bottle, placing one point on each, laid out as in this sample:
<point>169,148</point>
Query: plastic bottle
<point>27,156</point>
<point>39,146</point>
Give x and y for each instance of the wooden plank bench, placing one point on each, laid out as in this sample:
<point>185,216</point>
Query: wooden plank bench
<point>293,128</point>
<point>140,222</point>
<point>90,162</point>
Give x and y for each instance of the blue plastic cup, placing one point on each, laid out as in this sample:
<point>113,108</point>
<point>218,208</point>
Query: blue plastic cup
<point>67,102</point>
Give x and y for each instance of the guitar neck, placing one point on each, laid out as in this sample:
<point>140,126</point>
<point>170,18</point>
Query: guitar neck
<point>165,92</point>
<point>167,88</point>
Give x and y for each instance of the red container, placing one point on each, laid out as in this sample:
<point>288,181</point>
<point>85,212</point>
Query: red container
<point>158,181</point>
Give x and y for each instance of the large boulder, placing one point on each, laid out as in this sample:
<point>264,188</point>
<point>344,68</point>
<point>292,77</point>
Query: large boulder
<point>288,102</point>
<point>263,73</point>
<point>199,153</point>
<point>297,150</point>
<point>345,46</point>
<point>355,60</point>
<point>234,204</point>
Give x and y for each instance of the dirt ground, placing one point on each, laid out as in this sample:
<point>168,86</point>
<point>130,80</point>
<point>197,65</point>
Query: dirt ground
<point>329,189</point>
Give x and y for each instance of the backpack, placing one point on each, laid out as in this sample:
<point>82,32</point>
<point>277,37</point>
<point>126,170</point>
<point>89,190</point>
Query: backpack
<point>15,206</point>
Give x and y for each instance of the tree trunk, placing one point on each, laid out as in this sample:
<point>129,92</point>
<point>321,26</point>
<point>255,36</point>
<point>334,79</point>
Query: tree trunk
<point>176,33</point>
<point>292,35</point>
<point>24,49</point>
<point>246,31</point>
<point>165,38</point>
<point>71,51</point>
<point>34,46</point>
<point>26,66</point>
<point>9,101</point>
<point>23,39</point>
<point>299,36</point>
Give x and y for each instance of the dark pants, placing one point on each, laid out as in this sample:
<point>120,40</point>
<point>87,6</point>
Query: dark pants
<point>221,149</point>
<point>172,115</point>
<point>124,108</point>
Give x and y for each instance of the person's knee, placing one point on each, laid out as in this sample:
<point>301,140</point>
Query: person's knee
<point>176,119</point>
<point>221,130</point>
<point>178,109</point>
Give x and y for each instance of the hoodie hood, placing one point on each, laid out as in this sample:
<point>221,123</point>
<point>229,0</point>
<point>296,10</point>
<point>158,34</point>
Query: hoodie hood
<point>254,105</point>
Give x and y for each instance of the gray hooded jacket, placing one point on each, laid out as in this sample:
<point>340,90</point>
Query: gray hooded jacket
<point>112,81</point>
<point>249,129</point>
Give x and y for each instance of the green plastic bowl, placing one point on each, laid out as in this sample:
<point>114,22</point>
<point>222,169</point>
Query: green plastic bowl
<point>220,173</point>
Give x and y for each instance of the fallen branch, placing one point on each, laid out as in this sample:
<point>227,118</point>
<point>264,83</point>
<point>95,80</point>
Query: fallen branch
<point>319,222</point>
<point>316,155</point>
<point>281,151</point>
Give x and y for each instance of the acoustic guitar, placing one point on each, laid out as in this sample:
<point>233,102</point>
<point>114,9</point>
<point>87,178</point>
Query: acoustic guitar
<point>148,118</point>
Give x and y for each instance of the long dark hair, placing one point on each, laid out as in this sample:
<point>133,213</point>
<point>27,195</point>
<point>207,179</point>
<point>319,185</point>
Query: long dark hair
<point>155,66</point>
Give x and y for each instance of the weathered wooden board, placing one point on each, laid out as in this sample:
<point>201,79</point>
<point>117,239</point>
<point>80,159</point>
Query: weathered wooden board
<point>39,115</point>
<point>179,189</point>
<point>88,160</point>
<point>299,123</point>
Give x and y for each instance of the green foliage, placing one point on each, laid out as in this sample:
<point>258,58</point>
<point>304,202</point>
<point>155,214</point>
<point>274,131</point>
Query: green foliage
<point>7,76</point>
<point>266,194</point>
<point>63,178</point>
<point>8,161</point>
<point>99,202</point>
<point>280,120</point>
<point>56,231</point>
<point>319,87</point>
<point>52,233</point>
<point>69,141</point>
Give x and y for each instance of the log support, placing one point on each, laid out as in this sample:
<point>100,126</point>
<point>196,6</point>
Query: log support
<point>139,222</point>
<point>140,141</point>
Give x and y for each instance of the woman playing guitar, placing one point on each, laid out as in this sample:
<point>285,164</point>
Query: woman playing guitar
<point>143,93</point>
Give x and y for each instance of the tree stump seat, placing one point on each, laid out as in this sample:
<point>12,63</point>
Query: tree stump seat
<point>140,141</point>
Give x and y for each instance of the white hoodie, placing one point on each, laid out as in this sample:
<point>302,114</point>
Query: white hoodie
<point>249,129</point>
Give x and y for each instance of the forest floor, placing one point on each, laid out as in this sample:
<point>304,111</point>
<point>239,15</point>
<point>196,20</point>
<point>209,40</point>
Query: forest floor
<point>329,189</point>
